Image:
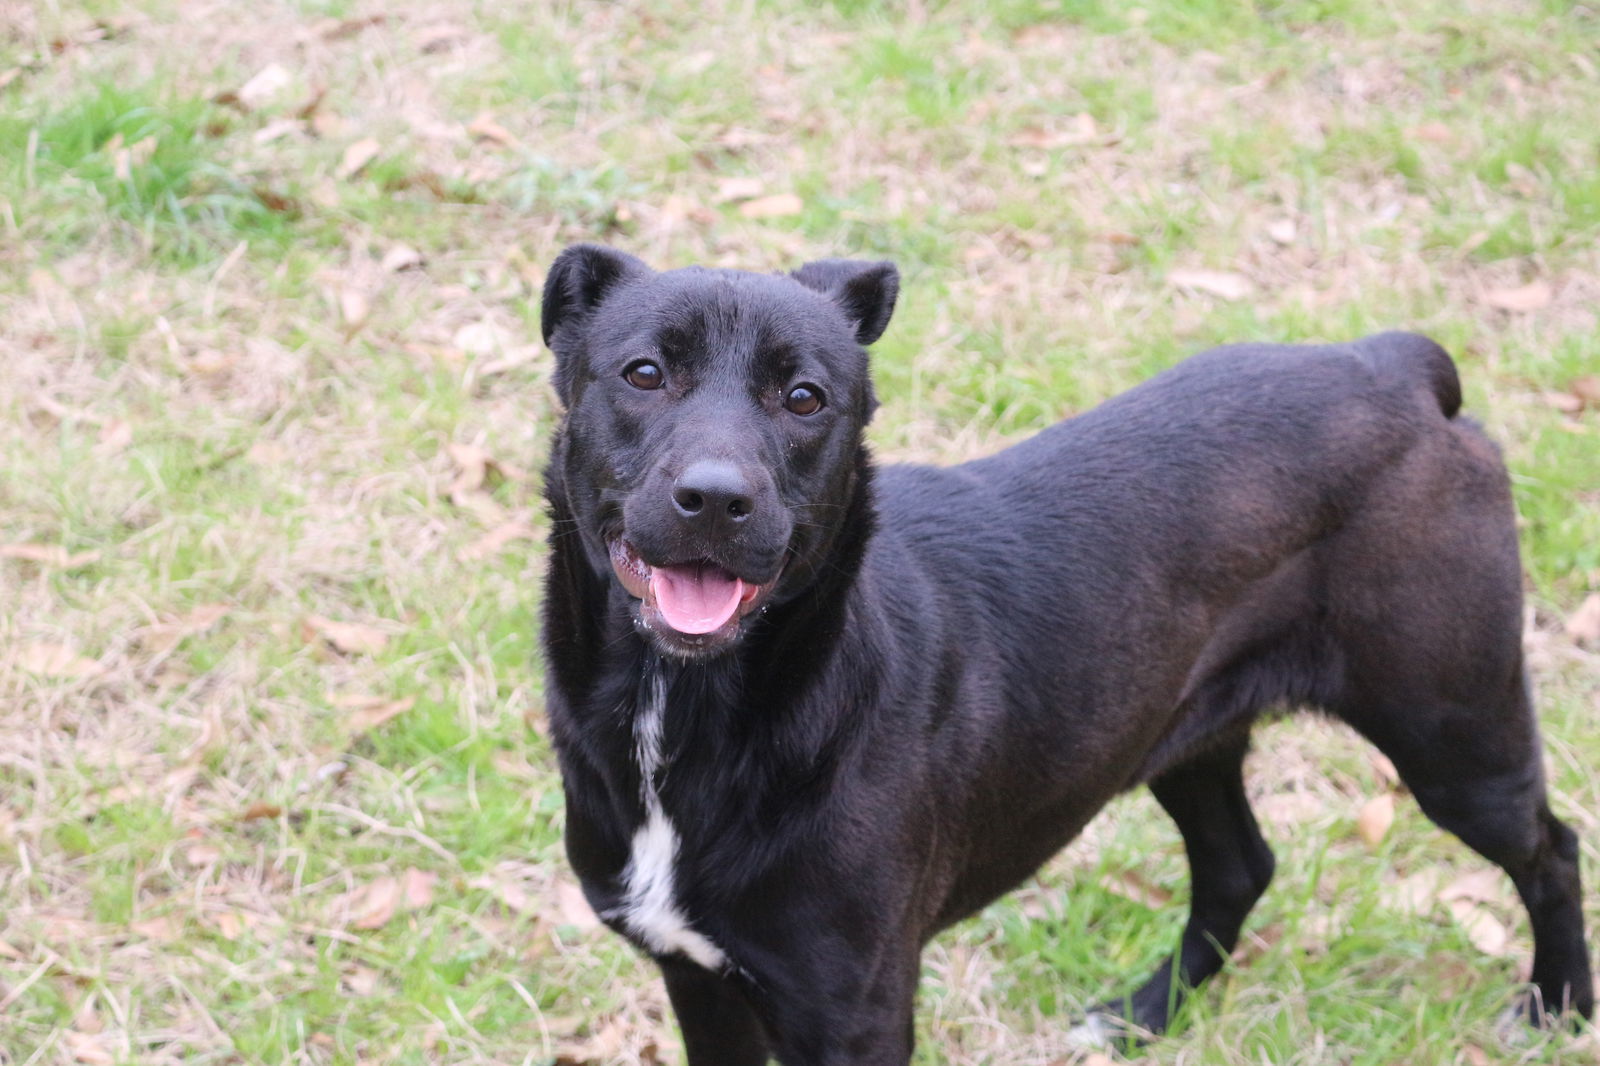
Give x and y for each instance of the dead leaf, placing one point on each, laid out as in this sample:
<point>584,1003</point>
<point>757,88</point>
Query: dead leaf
<point>1132,885</point>
<point>230,924</point>
<point>1475,1055</point>
<point>371,716</point>
<point>1565,402</point>
<point>485,128</point>
<point>1220,283</point>
<point>1414,894</point>
<point>48,555</point>
<point>162,637</point>
<point>1586,389</point>
<point>574,907</point>
<point>779,205</point>
<point>472,467</point>
<point>356,157</point>
<point>55,660</point>
<point>354,307</point>
<point>603,1044</point>
<point>161,930</point>
<point>479,338</point>
<point>513,896</point>
<point>1082,131</point>
<point>401,257</point>
<point>438,38</point>
<point>738,188</point>
<point>361,980</point>
<point>86,1048</point>
<point>352,638</point>
<point>376,903</point>
<point>1095,1058</point>
<point>1486,932</point>
<point>496,539</point>
<point>1480,886</point>
<point>1376,816</point>
<point>1533,296</point>
<point>259,810</point>
<point>202,854</point>
<point>1583,625</point>
<point>1437,132</point>
<point>1282,230</point>
<point>339,29</point>
<point>115,435</point>
<point>267,83</point>
<point>416,888</point>
<point>1383,766</point>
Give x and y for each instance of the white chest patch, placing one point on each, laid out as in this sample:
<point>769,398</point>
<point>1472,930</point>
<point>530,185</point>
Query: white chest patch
<point>648,907</point>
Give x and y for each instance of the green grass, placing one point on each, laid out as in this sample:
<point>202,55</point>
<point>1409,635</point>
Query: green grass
<point>185,397</point>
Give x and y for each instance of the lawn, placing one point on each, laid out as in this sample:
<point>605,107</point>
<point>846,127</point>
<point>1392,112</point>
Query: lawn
<point>275,782</point>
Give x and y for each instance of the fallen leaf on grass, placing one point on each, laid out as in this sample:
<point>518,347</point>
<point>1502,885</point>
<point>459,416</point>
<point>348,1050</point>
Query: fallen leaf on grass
<point>479,338</point>
<point>1376,816</point>
<point>1565,402</point>
<point>55,660</point>
<point>354,308</point>
<point>496,539</point>
<point>202,854</point>
<point>267,83</point>
<point>352,638</point>
<point>161,930</point>
<point>1533,296</point>
<point>356,157</point>
<point>485,128</point>
<point>779,205</point>
<point>738,188</point>
<point>1480,886</point>
<point>361,980</point>
<point>375,904</point>
<point>259,810</point>
<point>1586,389</point>
<point>512,895</point>
<point>1583,626</point>
<point>1283,230</point>
<point>162,637</point>
<point>401,257</point>
<point>1130,884</point>
<point>1485,931</point>
<point>86,1048</point>
<point>1220,283</point>
<point>367,716</point>
<point>574,907</point>
<point>48,555</point>
<point>115,435</point>
<point>1437,132</point>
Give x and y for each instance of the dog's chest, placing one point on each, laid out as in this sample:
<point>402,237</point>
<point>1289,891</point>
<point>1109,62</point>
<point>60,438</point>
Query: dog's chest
<point>649,907</point>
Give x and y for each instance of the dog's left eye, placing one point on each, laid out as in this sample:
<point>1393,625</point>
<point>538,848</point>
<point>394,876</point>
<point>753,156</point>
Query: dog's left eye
<point>804,400</point>
<point>644,375</point>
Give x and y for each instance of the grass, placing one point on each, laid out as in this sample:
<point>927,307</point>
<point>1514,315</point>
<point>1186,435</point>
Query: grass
<point>224,417</point>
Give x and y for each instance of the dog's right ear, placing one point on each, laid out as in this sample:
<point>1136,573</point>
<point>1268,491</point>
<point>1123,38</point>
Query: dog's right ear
<point>579,279</point>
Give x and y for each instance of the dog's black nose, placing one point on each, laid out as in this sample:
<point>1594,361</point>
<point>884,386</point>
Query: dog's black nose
<point>713,493</point>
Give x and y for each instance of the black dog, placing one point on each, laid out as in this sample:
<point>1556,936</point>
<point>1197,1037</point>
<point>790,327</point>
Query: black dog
<point>810,712</point>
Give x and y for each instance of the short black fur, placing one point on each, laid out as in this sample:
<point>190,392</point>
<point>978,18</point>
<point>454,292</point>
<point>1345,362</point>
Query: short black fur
<point>945,673</point>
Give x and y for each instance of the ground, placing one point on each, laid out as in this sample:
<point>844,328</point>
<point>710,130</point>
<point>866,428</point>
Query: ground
<point>274,778</point>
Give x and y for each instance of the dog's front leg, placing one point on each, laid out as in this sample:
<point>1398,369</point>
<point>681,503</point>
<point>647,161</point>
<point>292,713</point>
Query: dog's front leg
<point>718,1023</point>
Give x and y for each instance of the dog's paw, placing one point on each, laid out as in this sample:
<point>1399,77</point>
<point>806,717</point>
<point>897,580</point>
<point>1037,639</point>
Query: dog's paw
<point>1106,1033</point>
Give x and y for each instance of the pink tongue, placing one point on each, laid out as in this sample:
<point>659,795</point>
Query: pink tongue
<point>697,598</point>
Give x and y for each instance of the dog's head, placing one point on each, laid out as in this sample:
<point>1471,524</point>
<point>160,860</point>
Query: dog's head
<point>713,425</point>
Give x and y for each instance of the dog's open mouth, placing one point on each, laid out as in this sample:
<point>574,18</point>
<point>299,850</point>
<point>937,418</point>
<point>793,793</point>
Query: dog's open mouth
<point>695,598</point>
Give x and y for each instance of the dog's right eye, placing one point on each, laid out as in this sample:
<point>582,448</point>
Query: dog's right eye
<point>644,375</point>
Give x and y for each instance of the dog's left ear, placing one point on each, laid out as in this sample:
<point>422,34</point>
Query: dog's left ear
<point>865,292</point>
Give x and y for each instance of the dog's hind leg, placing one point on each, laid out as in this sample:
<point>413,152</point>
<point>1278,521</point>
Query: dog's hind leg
<point>1230,866</point>
<point>719,1026</point>
<point>1476,772</point>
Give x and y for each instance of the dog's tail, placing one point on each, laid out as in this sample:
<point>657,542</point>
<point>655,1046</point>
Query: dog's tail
<point>1419,361</point>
